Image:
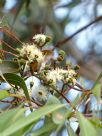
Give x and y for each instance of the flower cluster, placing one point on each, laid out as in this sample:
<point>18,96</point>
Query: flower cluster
<point>49,75</point>
<point>57,77</point>
<point>31,53</point>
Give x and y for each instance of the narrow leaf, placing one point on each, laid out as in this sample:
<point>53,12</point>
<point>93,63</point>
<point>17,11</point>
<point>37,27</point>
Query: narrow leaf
<point>87,129</point>
<point>70,130</point>
<point>7,118</point>
<point>8,66</point>
<point>20,124</point>
<point>4,94</point>
<point>46,128</point>
<point>97,80</point>
<point>18,81</point>
<point>97,91</point>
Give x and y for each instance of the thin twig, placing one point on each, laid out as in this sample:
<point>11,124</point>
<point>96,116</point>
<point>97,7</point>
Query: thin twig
<point>8,45</point>
<point>6,52</point>
<point>6,101</point>
<point>72,87</point>
<point>11,34</point>
<point>37,103</point>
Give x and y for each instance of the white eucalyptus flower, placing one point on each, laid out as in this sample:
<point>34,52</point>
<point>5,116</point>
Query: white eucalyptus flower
<point>40,93</point>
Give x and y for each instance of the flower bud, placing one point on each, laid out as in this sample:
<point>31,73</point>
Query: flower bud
<point>60,58</point>
<point>77,67</point>
<point>61,53</point>
<point>31,84</point>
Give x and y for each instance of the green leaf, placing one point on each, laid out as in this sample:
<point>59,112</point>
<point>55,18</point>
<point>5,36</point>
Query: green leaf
<point>97,80</point>
<point>97,125</point>
<point>8,66</point>
<point>24,131</point>
<point>49,126</point>
<point>97,91</point>
<point>53,100</point>
<point>4,94</point>
<point>99,131</point>
<point>75,101</point>
<point>70,130</point>
<point>59,115</point>
<point>18,81</point>
<point>19,7</point>
<point>87,129</point>
<point>4,22</point>
<point>96,87</point>
<point>68,113</point>
<point>19,124</point>
<point>7,118</point>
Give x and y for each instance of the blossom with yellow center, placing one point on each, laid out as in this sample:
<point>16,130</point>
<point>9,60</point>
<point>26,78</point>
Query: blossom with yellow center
<point>40,93</point>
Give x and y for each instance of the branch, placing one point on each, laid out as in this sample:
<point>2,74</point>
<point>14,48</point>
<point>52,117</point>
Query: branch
<point>6,52</point>
<point>83,28</point>
<point>7,31</point>
<point>1,41</point>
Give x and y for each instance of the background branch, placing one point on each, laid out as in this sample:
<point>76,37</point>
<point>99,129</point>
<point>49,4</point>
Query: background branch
<point>83,28</point>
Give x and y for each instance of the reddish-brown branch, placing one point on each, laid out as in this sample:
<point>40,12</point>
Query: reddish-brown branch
<point>72,87</point>
<point>6,52</point>
<point>6,101</point>
<point>83,28</point>
<point>8,45</point>
<point>7,31</point>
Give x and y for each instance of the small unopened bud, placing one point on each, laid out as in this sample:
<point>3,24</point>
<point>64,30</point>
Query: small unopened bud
<point>46,67</point>
<point>15,59</point>
<point>48,39</point>
<point>69,80</point>
<point>76,67</point>
<point>61,53</point>
<point>22,61</point>
<point>18,50</point>
<point>50,81</point>
<point>31,84</point>
<point>60,58</point>
<point>51,91</point>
